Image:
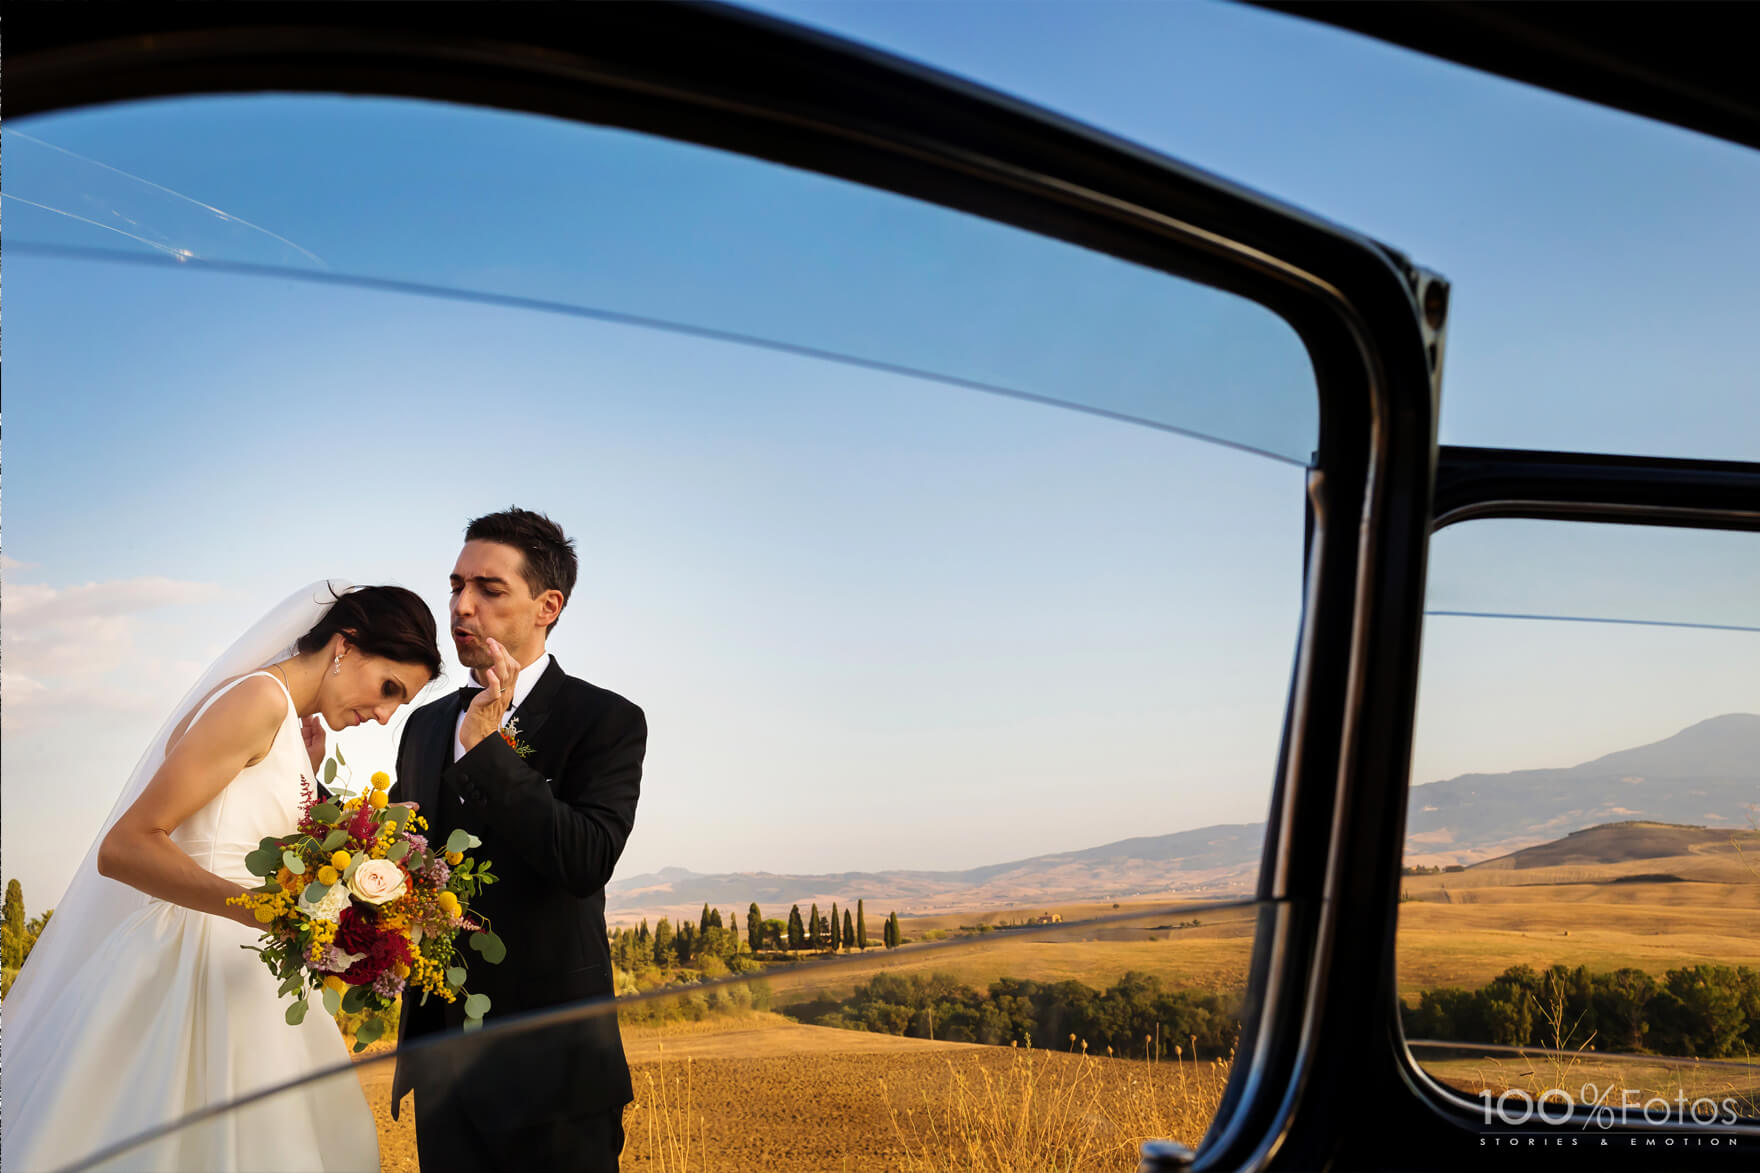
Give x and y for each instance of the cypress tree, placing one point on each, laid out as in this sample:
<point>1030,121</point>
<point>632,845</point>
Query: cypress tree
<point>754,927</point>
<point>849,930</point>
<point>703,921</point>
<point>685,943</point>
<point>892,933</point>
<point>663,942</point>
<point>797,933</point>
<point>813,938</point>
<point>861,927</point>
<point>12,930</point>
<point>836,928</point>
<point>643,935</point>
<point>715,919</point>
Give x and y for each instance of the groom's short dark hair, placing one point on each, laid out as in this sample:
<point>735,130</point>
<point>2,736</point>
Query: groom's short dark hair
<point>550,563</point>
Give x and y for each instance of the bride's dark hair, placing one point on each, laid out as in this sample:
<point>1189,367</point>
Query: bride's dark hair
<point>386,621</point>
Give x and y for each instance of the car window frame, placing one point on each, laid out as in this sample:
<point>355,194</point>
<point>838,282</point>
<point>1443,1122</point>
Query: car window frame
<point>756,85</point>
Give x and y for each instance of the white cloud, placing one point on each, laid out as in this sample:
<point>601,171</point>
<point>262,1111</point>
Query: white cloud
<point>98,600</point>
<point>7,563</point>
<point>93,648</point>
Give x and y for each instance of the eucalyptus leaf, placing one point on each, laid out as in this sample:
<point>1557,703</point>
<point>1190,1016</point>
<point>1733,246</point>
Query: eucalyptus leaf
<point>327,812</point>
<point>354,864</point>
<point>476,1006</point>
<point>335,839</point>
<point>462,840</point>
<point>455,976</point>
<point>296,1013</point>
<point>269,843</point>
<point>368,1034</point>
<point>262,862</point>
<point>471,1024</point>
<point>354,999</point>
<point>329,772</point>
<point>340,760</point>
<point>315,892</point>
<point>332,1002</point>
<point>493,951</point>
<point>398,814</point>
<point>293,863</point>
<point>397,851</point>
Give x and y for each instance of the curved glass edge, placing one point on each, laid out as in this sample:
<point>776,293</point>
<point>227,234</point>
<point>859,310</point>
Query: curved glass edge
<point>627,227</point>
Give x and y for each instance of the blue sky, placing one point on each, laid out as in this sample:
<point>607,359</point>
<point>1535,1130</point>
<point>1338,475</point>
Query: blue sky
<point>1600,262</point>
<point>877,620</point>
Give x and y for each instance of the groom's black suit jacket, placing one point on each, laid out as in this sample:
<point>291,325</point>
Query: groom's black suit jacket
<point>553,824</point>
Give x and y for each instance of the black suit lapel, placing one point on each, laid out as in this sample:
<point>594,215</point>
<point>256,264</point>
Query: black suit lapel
<point>540,702</point>
<point>437,753</point>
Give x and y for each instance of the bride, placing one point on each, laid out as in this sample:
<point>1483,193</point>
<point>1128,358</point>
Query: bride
<point>138,1006</point>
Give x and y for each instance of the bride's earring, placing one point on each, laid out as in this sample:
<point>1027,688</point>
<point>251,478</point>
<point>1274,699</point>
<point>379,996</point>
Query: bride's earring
<point>336,666</point>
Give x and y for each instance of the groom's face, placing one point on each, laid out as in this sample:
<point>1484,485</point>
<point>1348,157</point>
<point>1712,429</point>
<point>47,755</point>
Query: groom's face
<point>492,600</point>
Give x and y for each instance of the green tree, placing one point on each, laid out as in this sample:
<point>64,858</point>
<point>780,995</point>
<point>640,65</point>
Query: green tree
<point>643,936</point>
<point>684,942</point>
<point>814,941</point>
<point>703,921</point>
<point>663,954</point>
<point>797,932</point>
<point>893,937</point>
<point>849,929</point>
<point>12,929</point>
<point>861,927</point>
<point>754,927</point>
<point>715,919</point>
<point>836,928</point>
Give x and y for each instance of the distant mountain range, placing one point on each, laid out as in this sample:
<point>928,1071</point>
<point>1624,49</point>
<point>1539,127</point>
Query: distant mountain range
<point>1706,774</point>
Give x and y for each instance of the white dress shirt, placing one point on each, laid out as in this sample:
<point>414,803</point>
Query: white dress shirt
<point>522,688</point>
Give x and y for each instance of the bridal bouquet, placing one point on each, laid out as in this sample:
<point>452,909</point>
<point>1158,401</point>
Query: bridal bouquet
<point>357,903</point>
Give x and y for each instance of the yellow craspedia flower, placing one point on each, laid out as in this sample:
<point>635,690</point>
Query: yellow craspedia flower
<point>264,914</point>
<point>381,780</point>
<point>377,800</point>
<point>339,861</point>
<point>449,902</point>
<point>327,875</point>
<point>401,970</point>
<point>455,858</point>
<point>335,983</point>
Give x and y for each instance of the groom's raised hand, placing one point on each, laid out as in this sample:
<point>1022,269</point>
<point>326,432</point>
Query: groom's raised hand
<point>490,705</point>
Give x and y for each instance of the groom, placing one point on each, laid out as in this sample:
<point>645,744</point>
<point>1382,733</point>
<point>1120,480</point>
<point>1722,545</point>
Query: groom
<point>553,815</point>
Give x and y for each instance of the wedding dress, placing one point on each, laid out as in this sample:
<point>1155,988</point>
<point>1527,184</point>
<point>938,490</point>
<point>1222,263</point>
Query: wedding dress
<point>144,1011</point>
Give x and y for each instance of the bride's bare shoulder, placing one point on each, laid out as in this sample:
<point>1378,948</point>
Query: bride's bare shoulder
<point>255,701</point>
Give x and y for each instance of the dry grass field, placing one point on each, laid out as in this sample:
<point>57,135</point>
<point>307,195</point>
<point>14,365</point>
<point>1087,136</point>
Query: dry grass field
<point>749,1090</point>
<point>759,1092</point>
<point>1462,929</point>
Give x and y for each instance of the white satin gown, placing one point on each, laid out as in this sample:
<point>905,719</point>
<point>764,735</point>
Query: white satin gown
<point>169,1016</point>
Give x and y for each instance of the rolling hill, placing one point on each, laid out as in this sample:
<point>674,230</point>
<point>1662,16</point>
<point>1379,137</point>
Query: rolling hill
<point>1707,775</point>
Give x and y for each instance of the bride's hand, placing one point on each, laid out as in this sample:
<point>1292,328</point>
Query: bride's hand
<point>313,733</point>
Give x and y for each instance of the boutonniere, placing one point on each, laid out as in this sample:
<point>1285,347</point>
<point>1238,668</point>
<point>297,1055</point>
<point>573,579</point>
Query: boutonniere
<point>510,734</point>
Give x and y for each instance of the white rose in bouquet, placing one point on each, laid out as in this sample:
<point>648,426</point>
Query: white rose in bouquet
<point>378,881</point>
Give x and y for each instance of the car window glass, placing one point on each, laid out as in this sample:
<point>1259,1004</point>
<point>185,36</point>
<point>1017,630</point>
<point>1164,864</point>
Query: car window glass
<point>996,684</point>
<point>1582,858</point>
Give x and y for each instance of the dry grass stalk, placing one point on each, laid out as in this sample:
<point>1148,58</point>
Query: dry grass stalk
<point>662,1123</point>
<point>1043,1112</point>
